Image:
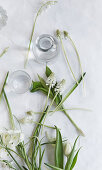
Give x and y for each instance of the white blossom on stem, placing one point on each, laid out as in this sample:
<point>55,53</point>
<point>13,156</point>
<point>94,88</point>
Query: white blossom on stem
<point>67,148</point>
<point>51,80</point>
<point>60,86</point>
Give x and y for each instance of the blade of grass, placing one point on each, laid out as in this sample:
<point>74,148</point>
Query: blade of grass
<point>4,85</point>
<point>12,124</point>
<point>4,51</point>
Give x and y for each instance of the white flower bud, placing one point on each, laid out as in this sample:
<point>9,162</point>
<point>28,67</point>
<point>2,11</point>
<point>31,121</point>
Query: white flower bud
<point>67,149</point>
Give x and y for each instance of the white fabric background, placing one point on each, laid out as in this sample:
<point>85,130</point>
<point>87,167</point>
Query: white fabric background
<point>82,19</point>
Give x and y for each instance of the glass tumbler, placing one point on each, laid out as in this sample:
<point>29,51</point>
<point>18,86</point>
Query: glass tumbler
<point>19,81</point>
<point>45,48</point>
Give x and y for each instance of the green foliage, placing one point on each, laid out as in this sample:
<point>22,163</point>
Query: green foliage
<point>58,150</point>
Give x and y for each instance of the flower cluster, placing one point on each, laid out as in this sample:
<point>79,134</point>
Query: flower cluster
<point>51,80</point>
<point>60,86</point>
<point>11,138</point>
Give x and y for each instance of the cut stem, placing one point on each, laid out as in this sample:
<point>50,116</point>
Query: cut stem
<point>4,51</point>
<point>3,85</point>
<point>10,112</point>
<point>77,56</point>
<point>67,59</point>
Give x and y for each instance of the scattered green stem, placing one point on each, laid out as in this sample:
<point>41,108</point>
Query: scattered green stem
<point>10,112</point>
<point>75,125</point>
<point>14,159</point>
<point>49,107</point>
<point>4,85</point>
<point>47,97</point>
<point>67,58</point>
<point>77,56</point>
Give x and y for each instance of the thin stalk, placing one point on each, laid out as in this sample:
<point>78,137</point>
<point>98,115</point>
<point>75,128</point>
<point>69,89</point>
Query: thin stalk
<point>43,125</point>
<point>14,159</point>
<point>67,59</point>
<point>47,97</point>
<point>77,128</point>
<point>74,108</point>
<point>4,51</point>
<point>49,108</point>
<point>38,13</point>
<point>10,112</point>
<point>84,109</point>
<point>77,56</point>
<point>4,85</point>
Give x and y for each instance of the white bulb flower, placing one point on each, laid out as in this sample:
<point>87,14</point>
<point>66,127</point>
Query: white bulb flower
<point>51,80</point>
<point>60,86</point>
<point>67,148</point>
<point>12,138</point>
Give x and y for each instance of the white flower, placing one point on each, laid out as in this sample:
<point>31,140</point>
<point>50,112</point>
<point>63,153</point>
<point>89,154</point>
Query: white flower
<point>67,148</point>
<point>12,138</point>
<point>45,5</point>
<point>3,17</point>
<point>51,80</point>
<point>60,86</point>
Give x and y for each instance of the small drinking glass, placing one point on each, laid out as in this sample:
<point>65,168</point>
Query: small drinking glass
<point>19,81</point>
<point>45,48</point>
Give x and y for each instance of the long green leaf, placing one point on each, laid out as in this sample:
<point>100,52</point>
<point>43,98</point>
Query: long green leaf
<point>74,160</point>
<point>71,156</point>
<point>58,150</point>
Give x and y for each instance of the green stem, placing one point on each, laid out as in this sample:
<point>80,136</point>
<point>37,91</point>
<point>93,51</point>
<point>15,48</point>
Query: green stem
<point>67,59</point>
<point>77,128</point>
<point>77,56</point>
<point>10,112</point>
<point>4,51</point>
<point>4,85</point>
<point>47,97</point>
<point>49,108</point>
<point>14,159</point>
<point>43,125</point>
<point>38,13</point>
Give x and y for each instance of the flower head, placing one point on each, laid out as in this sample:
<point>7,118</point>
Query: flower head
<point>60,86</point>
<point>51,80</point>
<point>65,34</point>
<point>45,4</point>
<point>58,33</point>
<point>11,138</point>
<point>67,148</point>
